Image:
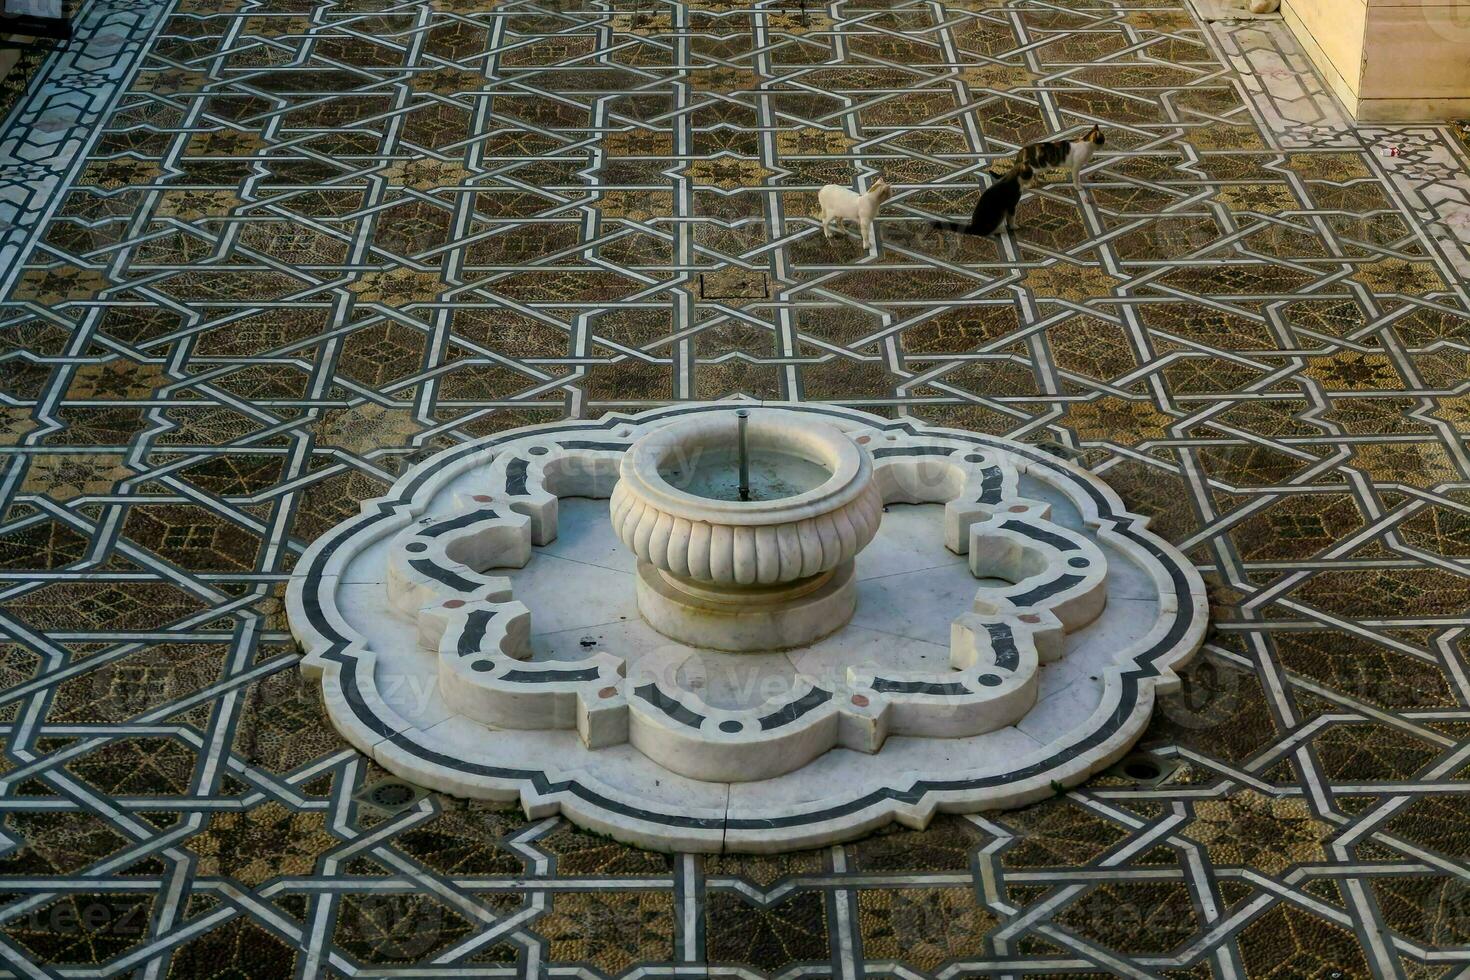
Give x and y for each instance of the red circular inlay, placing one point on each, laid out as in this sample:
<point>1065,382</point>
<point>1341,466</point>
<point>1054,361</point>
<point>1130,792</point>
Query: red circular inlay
<point>864,440</point>
<point>607,692</point>
<point>453,603</point>
<point>1030,618</point>
<point>483,498</point>
<point>861,700</point>
<point>1018,508</point>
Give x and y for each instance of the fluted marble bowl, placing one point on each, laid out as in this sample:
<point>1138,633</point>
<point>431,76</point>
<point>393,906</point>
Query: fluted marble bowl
<point>730,544</point>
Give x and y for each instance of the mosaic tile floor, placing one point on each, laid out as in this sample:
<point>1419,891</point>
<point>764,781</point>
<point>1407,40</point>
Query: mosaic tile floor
<point>260,256</point>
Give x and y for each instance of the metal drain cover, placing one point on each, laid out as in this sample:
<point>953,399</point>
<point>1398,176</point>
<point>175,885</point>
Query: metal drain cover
<point>1144,768</point>
<point>390,795</point>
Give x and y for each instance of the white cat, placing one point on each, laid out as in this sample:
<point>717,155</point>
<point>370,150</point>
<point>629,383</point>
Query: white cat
<point>843,204</point>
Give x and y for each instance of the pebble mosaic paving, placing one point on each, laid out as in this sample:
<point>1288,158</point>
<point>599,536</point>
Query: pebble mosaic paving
<point>260,256</point>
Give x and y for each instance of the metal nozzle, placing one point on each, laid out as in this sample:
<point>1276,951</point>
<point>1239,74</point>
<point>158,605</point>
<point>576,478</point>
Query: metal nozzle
<point>742,417</point>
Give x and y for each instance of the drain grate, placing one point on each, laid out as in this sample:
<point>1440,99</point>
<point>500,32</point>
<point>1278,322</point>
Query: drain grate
<point>1144,768</point>
<point>390,795</point>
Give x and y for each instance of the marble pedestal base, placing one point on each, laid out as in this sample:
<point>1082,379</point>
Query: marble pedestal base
<point>752,620</point>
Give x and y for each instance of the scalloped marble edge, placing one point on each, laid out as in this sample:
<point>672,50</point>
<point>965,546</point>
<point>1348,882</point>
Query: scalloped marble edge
<point>392,741</point>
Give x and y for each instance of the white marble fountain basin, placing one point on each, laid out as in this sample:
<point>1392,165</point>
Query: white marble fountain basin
<point>746,575</point>
<point>1013,625</point>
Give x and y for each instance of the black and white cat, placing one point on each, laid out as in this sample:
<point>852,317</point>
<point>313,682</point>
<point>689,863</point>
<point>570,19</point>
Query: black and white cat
<point>1071,154</point>
<point>996,207</point>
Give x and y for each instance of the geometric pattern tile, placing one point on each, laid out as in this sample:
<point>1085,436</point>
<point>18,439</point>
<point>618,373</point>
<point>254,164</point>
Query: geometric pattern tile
<point>259,258</point>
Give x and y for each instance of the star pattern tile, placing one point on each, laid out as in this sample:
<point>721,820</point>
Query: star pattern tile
<point>258,258</point>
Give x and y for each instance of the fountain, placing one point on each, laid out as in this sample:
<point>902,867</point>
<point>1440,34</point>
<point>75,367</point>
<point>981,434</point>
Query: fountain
<point>745,530</point>
<point>744,627</point>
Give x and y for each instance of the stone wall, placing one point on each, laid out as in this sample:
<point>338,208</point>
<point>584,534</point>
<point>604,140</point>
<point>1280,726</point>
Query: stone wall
<point>1389,60</point>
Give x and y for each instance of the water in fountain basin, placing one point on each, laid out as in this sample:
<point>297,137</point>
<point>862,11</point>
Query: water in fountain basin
<point>715,474</point>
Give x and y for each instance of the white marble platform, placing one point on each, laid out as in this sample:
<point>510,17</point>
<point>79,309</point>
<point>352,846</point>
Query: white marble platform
<point>850,768</point>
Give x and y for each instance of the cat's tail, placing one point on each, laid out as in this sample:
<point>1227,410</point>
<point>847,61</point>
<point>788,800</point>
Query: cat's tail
<point>950,226</point>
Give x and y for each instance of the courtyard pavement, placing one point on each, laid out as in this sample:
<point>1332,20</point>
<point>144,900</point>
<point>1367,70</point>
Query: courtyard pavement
<point>259,256</point>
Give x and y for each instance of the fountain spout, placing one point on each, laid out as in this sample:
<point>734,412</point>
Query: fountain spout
<point>742,417</point>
